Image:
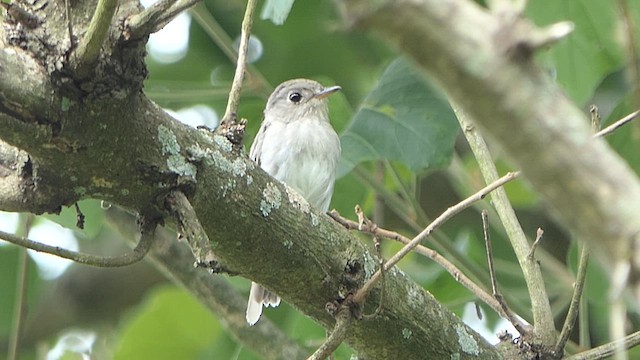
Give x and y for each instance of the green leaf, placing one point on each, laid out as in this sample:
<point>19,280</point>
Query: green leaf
<point>588,54</point>
<point>276,11</point>
<point>403,118</point>
<point>171,325</point>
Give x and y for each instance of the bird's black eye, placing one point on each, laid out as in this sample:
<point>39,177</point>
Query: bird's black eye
<point>295,97</point>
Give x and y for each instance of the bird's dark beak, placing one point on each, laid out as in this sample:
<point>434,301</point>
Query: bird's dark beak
<point>326,92</point>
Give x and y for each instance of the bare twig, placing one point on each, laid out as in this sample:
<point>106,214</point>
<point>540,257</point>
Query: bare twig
<point>190,227</point>
<point>570,320</point>
<point>606,350</point>
<point>91,43</point>
<point>236,86</point>
<point>450,212</point>
<point>414,244</point>
<point>155,17</point>
<point>534,246</point>
<point>146,240</point>
<point>487,241</point>
<point>506,311</point>
<point>613,127</point>
<point>339,333</point>
<point>596,121</point>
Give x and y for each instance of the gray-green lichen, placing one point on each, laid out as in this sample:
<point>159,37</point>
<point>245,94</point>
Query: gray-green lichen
<point>315,221</point>
<point>467,343</point>
<point>175,161</point>
<point>406,333</point>
<point>238,167</point>
<point>271,199</point>
<point>415,296</point>
<point>181,166</point>
<point>223,142</point>
<point>288,244</point>
<point>297,200</point>
<point>168,141</point>
<point>370,265</point>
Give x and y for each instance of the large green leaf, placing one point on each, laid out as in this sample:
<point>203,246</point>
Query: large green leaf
<point>591,52</point>
<point>171,325</point>
<point>404,119</point>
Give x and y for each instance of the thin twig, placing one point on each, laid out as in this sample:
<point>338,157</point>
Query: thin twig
<point>492,273</point>
<point>91,43</point>
<point>613,127</point>
<point>572,313</point>
<point>414,243</point>
<point>155,17</point>
<point>190,227</point>
<point>19,307</point>
<point>446,215</point>
<point>534,246</point>
<point>596,121</point>
<point>443,262</point>
<point>606,350</point>
<point>487,241</point>
<point>339,333</point>
<point>146,240</point>
<point>238,78</point>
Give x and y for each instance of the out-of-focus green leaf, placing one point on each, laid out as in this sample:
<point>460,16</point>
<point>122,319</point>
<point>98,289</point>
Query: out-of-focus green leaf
<point>403,119</point>
<point>93,217</point>
<point>588,54</point>
<point>276,10</point>
<point>170,325</point>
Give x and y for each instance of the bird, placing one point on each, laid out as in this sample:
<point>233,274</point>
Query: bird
<point>296,145</point>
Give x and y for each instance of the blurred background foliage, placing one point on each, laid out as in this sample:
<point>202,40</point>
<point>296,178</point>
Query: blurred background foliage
<point>403,161</point>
